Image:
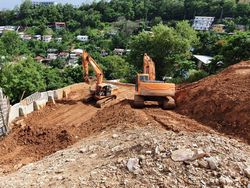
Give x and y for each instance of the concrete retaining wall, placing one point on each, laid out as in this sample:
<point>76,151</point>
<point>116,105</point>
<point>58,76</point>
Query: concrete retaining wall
<point>4,112</point>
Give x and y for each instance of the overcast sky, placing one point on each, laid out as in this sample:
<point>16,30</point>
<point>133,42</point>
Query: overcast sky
<point>10,4</point>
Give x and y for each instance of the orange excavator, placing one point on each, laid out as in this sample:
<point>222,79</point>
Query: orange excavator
<point>102,93</point>
<point>149,89</point>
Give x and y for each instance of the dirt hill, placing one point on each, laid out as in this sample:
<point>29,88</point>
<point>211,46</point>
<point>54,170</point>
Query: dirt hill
<point>221,101</point>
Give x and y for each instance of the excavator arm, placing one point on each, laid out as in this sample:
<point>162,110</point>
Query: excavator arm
<point>103,92</point>
<point>149,67</point>
<point>86,60</point>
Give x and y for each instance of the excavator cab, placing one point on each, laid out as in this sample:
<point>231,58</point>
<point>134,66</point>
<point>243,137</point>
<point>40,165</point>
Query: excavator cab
<point>141,78</point>
<point>104,90</point>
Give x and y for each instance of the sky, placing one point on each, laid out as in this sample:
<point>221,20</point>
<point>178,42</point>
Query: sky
<point>10,4</point>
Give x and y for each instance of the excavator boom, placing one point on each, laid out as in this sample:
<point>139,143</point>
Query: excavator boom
<point>87,59</point>
<point>149,67</point>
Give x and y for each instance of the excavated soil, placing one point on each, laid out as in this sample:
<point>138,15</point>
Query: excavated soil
<point>58,126</point>
<point>221,101</point>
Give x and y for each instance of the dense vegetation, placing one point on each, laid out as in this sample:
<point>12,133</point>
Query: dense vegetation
<point>155,27</point>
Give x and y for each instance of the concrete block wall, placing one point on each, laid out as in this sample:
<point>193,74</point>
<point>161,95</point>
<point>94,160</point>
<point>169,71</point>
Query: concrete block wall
<point>4,111</point>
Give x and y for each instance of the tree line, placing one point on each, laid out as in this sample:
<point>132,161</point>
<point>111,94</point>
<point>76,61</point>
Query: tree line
<point>95,14</point>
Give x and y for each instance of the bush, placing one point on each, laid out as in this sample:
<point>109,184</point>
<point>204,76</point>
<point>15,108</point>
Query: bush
<point>195,75</point>
<point>177,80</point>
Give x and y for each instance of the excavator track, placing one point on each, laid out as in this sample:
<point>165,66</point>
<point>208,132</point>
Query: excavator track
<point>88,98</point>
<point>168,103</point>
<point>102,102</point>
<point>138,101</point>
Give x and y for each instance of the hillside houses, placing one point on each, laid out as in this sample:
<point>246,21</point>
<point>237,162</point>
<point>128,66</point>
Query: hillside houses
<point>58,25</point>
<point>70,58</point>
<point>7,28</point>
<point>120,51</point>
<point>37,37</point>
<point>26,37</point>
<point>202,23</point>
<point>44,3</point>
<point>47,38</point>
<point>82,38</point>
<point>218,28</point>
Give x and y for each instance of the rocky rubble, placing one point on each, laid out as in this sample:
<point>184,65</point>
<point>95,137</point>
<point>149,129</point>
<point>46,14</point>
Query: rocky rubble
<point>146,156</point>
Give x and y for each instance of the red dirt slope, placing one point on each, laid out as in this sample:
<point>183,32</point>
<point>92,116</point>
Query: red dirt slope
<point>221,101</point>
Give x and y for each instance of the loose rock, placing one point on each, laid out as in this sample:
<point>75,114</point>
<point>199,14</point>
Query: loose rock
<point>199,153</point>
<point>213,163</point>
<point>247,172</point>
<point>182,155</point>
<point>133,164</point>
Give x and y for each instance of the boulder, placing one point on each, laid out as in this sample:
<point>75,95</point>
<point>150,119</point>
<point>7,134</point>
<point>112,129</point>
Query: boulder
<point>182,155</point>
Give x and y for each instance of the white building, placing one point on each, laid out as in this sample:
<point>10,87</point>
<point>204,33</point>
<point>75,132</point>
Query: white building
<point>7,28</point>
<point>202,23</point>
<point>21,34</point>
<point>47,38</point>
<point>58,39</point>
<point>37,37</point>
<point>64,55</point>
<point>77,51</point>
<point>82,38</point>
<point>73,56</point>
<point>45,3</point>
<point>119,51</point>
<point>26,37</point>
<point>203,60</point>
<point>51,56</point>
<point>104,53</point>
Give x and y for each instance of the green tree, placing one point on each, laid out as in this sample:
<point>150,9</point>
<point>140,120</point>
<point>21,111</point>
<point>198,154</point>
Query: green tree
<point>165,45</point>
<point>237,48</point>
<point>24,77</point>
<point>72,74</point>
<point>157,20</point>
<point>11,42</point>
<point>210,43</point>
<point>230,26</point>
<point>25,13</point>
<point>3,51</point>
<point>53,78</point>
<point>115,67</point>
<point>58,63</point>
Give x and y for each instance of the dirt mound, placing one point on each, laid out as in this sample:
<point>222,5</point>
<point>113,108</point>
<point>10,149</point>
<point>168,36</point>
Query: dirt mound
<point>43,138</point>
<point>221,101</point>
<point>175,122</point>
<point>113,116</point>
<point>56,127</point>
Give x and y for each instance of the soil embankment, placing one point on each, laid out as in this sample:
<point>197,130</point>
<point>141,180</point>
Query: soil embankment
<point>221,101</point>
